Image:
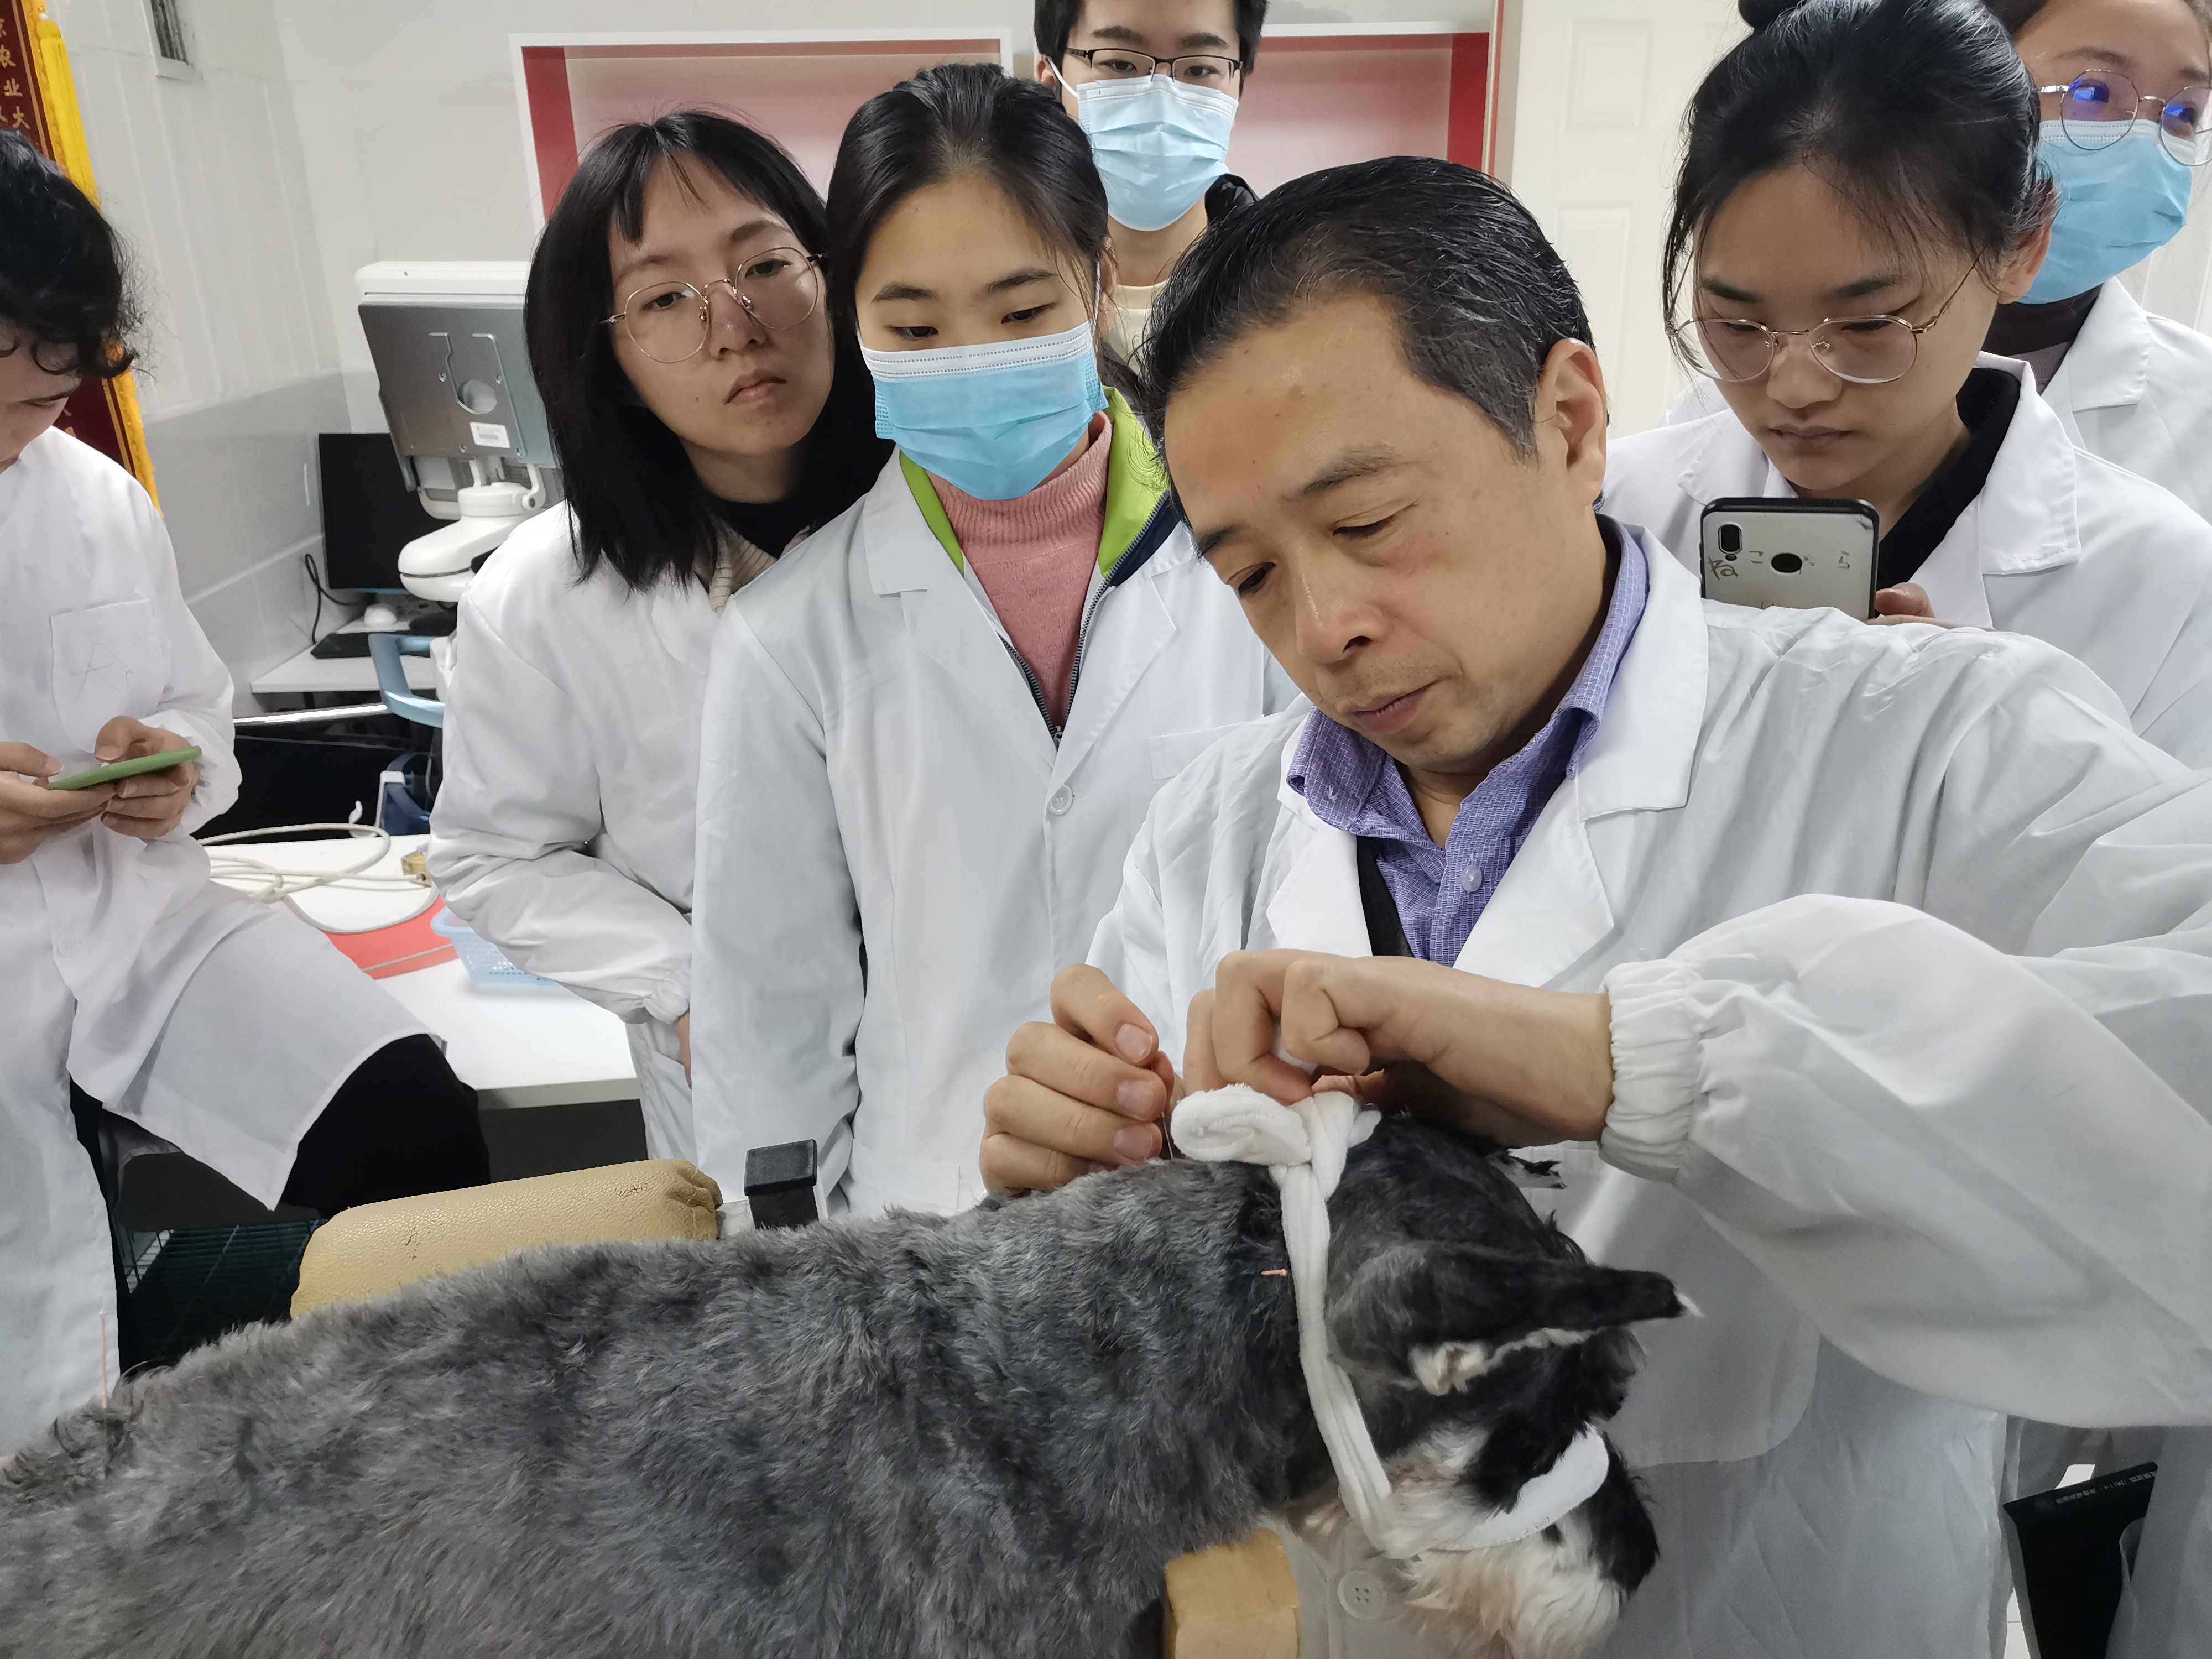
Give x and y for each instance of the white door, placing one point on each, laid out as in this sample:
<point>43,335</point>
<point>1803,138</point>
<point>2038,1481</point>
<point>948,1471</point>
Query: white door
<point>1590,136</point>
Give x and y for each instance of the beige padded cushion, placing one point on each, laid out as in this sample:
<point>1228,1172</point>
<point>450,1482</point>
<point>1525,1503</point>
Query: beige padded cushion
<point>375,1248</point>
<point>1237,1601</point>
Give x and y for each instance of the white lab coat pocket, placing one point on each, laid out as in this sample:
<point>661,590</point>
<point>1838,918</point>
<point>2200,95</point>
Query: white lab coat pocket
<point>1173,751</point>
<point>108,660</point>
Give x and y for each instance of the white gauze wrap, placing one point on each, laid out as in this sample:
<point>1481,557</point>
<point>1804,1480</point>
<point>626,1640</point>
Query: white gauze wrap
<point>1304,1147</point>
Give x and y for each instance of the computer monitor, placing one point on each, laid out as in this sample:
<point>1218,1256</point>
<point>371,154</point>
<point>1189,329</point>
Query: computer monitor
<point>369,511</point>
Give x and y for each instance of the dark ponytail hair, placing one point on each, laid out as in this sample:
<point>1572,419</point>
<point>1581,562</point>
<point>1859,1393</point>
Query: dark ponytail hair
<point>62,287</point>
<point>639,507</point>
<point>957,119</point>
<point>1918,112</point>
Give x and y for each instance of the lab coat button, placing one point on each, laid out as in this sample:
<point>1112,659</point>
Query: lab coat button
<point>1363,1595</point>
<point>1062,799</point>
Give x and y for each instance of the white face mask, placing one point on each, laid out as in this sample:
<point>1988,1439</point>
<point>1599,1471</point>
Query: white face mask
<point>1157,142</point>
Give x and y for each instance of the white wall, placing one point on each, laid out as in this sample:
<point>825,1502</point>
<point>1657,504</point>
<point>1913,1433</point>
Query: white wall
<point>202,176</point>
<point>411,138</point>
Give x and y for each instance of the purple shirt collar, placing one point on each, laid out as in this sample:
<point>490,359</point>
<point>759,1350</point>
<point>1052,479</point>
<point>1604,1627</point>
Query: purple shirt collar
<point>1352,785</point>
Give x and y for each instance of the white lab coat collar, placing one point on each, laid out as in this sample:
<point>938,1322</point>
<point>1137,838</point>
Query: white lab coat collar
<point>1552,906</point>
<point>949,627</point>
<point>956,617</point>
<point>2023,521</point>
<point>904,555</point>
<point>2108,365</point>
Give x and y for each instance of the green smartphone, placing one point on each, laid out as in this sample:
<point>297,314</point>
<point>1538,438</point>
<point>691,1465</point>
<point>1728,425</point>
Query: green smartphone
<point>126,768</point>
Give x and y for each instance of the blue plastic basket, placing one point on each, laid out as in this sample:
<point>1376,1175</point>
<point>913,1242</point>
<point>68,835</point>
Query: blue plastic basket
<point>486,963</point>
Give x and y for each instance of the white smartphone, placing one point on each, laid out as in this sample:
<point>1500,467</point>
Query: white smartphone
<point>1760,550</point>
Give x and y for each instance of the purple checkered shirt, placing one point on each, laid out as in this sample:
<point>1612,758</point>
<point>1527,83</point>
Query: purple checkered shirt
<point>1440,891</point>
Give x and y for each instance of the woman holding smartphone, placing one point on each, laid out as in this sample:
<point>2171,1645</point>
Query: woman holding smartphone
<point>207,1019</point>
<point>931,734</point>
<point>707,416</point>
<point>1834,267</point>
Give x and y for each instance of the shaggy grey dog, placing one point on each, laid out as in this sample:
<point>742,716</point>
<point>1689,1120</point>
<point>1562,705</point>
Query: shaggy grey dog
<point>984,1434</point>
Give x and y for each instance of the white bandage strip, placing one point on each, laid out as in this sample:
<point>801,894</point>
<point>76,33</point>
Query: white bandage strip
<point>1303,1147</point>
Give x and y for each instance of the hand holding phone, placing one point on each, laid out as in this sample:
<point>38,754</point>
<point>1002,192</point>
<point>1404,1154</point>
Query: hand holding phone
<point>1778,551</point>
<point>31,814</point>
<point>150,798</point>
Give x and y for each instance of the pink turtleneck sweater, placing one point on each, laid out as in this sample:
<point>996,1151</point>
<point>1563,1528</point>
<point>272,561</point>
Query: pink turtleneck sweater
<point>1034,555</point>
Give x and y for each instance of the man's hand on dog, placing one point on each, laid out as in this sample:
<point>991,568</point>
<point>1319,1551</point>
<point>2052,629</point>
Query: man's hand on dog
<point>1524,1067</point>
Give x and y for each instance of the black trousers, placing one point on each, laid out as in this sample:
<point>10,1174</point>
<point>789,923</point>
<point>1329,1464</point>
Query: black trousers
<point>401,1124</point>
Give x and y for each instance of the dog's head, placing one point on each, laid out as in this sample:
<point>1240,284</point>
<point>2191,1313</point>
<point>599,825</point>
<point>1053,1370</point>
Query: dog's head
<point>1482,1343</point>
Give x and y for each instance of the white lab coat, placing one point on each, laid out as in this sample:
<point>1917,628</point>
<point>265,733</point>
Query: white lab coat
<point>212,1021</point>
<point>2060,545</point>
<point>2134,387</point>
<point>1918,1169</point>
<point>895,860</point>
<point>2166,1605</point>
<point>563,830</point>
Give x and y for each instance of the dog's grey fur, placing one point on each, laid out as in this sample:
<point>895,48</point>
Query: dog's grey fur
<point>983,1434</point>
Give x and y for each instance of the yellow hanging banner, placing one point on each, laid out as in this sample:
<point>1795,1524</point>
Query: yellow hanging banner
<point>38,98</point>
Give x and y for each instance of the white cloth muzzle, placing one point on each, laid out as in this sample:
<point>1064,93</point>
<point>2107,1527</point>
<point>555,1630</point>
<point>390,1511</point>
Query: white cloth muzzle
<point>1304,1147</point>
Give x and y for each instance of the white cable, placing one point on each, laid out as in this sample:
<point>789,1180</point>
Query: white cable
<point>272,883</point>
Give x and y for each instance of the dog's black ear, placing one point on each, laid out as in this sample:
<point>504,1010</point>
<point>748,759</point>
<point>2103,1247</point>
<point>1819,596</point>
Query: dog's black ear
<point>1445,1313</point>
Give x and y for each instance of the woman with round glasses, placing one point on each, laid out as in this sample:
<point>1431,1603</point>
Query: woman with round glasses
<point>708,417</point>
<point>1834,267</point>
<point>2126,87</point>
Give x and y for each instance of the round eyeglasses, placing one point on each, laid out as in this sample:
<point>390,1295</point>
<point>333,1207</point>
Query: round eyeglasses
<point>2096,109</point>
<point>1863,350</point>
<point>669,321</point>
<point>1193,68</point>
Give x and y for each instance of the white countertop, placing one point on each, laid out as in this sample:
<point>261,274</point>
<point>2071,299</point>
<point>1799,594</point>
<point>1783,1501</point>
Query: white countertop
<point>528,1045</point>
<point>307,672</point>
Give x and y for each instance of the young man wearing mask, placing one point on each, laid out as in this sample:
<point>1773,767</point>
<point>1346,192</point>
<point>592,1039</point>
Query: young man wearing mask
<point>1155,84</point>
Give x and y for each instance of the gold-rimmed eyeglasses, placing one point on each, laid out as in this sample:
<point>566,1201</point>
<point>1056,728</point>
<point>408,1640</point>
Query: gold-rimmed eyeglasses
<point>1863,350</point>
<point>669,321</point>
<point>2096,109</point>
<point>1197,69</point>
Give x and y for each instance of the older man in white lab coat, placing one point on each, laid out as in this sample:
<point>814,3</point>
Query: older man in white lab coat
<point>1855,977</point>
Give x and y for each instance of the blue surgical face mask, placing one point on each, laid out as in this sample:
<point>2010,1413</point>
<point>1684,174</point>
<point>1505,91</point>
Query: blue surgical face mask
<point>2118,205</point>
<point>991,419</point>
<point>1158,144</point>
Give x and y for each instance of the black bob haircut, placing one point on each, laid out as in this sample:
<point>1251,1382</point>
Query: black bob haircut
<point>1481,296</point>
<point>1055,21</point>
<point>963,118</point>
<point>638,506</point>
<point>1917,112</point>
<point>62,287</point>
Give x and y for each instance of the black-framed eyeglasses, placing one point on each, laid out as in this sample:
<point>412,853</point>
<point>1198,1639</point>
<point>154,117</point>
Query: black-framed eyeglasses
<point>1197,69</point>
<point>2096,109</point>
<point>669,321</point>
<point>1863,350</point>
